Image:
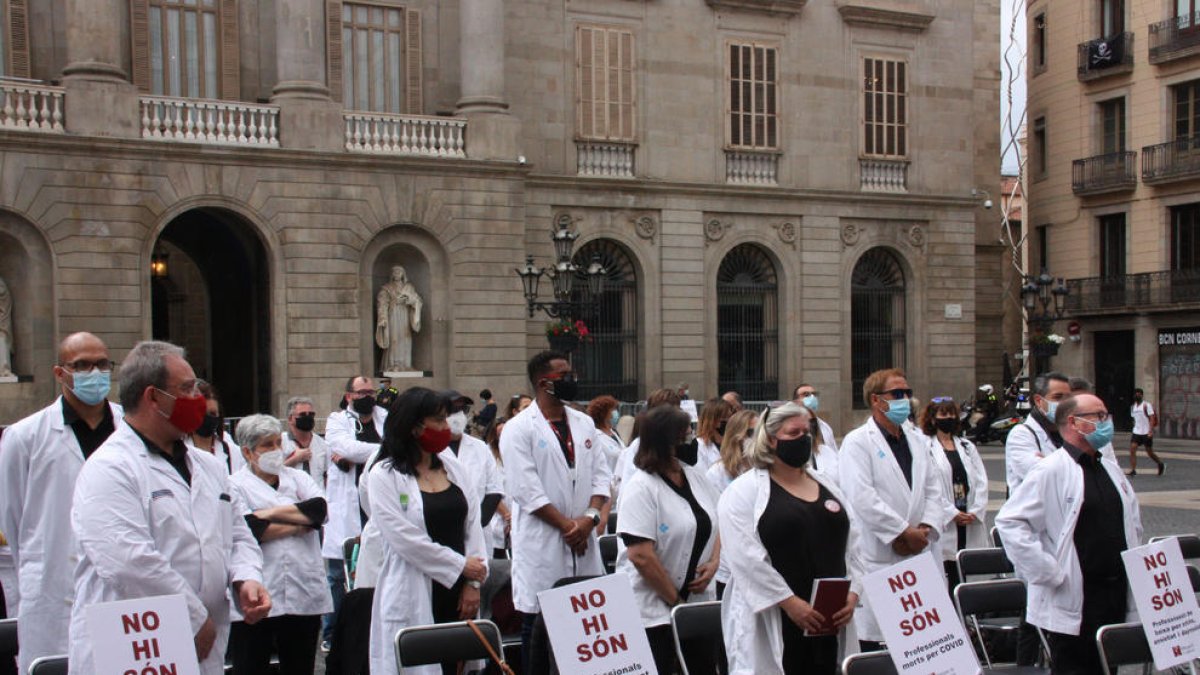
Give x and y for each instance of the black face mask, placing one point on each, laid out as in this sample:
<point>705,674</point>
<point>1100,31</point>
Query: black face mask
<point>946,425</point>
<point>306,422</point>
<point>795,452</point>
<point>721,428</point>
<point>688,452</point>
<point>364,405</point>
<point>566,389</point>
<point>209,426</point>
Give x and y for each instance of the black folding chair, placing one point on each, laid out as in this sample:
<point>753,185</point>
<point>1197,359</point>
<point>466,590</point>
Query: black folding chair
<point>869,663</point>
<point>1194,577</point>
<point>992,562</point>
<point>1122,644</point>
<point>998,596</point>
<point>348,566</point>
<point>1189,544</point>
<point>996,538</point>
<point>612,523</point>
<point>8,638</point>
<point>608,552</point>
<point>444,642</point>
<point>697,620</point>
<point>49,665</point>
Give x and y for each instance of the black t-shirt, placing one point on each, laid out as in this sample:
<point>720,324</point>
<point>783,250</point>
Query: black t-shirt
<point>962,488</point>
<point>703,529</point>
<point>805,540</point>
<point>900,450</point>
<point>89,438</point>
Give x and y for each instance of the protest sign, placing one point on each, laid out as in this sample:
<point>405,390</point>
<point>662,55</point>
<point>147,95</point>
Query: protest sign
<point>689,406</point>
<point>595,628</point>
<point>918,620</point>
<point>142,636</point>
<point>1165,601</point>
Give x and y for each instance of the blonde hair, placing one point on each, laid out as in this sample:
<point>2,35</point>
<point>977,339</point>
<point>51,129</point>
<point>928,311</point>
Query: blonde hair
<point>875,381</point>
<point>733,458</point>
<point>761,455</point>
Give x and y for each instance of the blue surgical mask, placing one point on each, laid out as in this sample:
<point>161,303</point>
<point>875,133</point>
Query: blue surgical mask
<point>91,387</point>
<point>898,410</point>
<point>1101,436</point>
<point>615,418</point>
<point>811,402</point>
<point>1051,409</point>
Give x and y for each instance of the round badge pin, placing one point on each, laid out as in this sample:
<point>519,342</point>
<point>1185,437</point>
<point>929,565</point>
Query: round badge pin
<point>832,505</point>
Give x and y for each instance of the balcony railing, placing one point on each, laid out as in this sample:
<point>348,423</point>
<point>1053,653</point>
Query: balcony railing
<point>31,107</point>
<point>883,175</point>
<point>1175,38</point>
<point>1104,173</point>
<point>749,167</point>
<point>205,121</point>
<point>604,159</point>
<point>406,134</point>
<point>1175,160</point>
<point>1150,291</point>
<point>1105,56</point>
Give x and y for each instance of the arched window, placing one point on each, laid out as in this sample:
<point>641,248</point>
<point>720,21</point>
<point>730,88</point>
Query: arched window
<point>608,362</point>
<point>748,324</point>
<point>877,317</point>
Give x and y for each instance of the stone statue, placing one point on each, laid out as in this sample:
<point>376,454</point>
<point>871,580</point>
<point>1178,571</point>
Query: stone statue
<point>398,319</point>
<point>6,330</point>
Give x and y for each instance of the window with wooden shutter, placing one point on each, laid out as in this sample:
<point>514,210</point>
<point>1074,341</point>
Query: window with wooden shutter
<point>14,38</point>
<point>753,77</point>
<point>885,108</point>
<point>186,48</point>
<point>605,83</point>
<point>378,61</point>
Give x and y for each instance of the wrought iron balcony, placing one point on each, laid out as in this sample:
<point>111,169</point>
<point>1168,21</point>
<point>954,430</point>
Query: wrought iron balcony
<point>1146,292</point>
<point>1105,56</point>
<point>1172,161</point>
<point>1113,172</point>
<point>1175,38</point>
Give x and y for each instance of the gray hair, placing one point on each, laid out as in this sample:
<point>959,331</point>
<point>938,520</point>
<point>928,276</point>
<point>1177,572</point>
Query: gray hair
<point>145,366</point>
<point>760,454</point>
<point>296,401</point>
<point>1080,385</point>
<point>1041,383</point>
<point>253,429</point>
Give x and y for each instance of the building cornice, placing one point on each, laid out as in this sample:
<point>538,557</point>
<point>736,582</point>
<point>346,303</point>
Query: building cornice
<point>903,16</point>
<point>776,7</point>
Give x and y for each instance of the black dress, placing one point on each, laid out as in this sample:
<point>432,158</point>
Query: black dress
<point>446,522</point>
<point>805,541</point>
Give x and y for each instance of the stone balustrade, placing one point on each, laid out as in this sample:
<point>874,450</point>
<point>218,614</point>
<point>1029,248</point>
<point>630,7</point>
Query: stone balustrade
<point>406,134</point>
<point>204,121</point>
<point>604,159</point>
<point>31,107</point>
<point>883,175</point>
<point>744,167</point>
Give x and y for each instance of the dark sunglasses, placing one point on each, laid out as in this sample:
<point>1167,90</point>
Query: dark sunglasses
<point>896,393</point>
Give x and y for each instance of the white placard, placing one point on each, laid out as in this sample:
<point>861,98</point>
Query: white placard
<point>132,635</point>
<point>918,620</point>
<point>953,311</point>
<point>595,628</point>
<point>1165,601</point>
<point>689,407</point>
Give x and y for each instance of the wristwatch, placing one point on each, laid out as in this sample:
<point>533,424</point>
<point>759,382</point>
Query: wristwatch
<point>594,514</point>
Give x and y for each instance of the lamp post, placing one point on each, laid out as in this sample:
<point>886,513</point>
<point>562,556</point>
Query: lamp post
<point>562,275</point>
<point>1043,297</point>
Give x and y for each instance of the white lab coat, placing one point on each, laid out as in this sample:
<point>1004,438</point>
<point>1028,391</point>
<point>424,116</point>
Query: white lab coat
<point>537,475</point>
<point>720,479</point>
<point>977,481</point>
<point>827,434</point>
<point>341,487</point>
<point>826,461</point>
<point>142,531</point>
<point>654,511</point>
<point>624,471</point>
<point>707,454</point>
<point>1027,443</point>
<point>411,560</point>
<point>1037,524</point>
<point>319,464</point>
<point>39,462</point>
<point>494,531</point>
<point>885,503</point>
<point>480,466</point>
<point>293,571</point>
<point>750,616</point>
<point>612,447</point>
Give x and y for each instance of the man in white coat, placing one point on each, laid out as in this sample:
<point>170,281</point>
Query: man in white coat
<point>153,518</point>
<point>1037,436</point>
<point>40,458</point>
<point>558,478</point>
<point>892,486</point>
<point>1064,528</point>
<point>303,449</point>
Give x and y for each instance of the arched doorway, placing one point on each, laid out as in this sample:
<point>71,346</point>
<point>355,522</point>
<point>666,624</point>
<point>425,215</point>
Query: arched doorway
<point>608,363</point>
<point>748,324</point>
<point>877,317</point>
<point>210,294</point>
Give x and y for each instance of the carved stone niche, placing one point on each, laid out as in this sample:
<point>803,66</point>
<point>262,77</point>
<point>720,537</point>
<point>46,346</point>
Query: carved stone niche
<point>911,15</point>
<point>780,7</point>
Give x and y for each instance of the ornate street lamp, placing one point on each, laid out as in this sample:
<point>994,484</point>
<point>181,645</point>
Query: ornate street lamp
<point>562,280</point>
<point>1044,299</point>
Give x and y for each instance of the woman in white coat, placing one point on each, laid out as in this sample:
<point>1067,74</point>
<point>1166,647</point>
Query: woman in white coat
<point>714,418</point>
<point>783,527</point>
<point>434,553</point>
<point>284,508</point>
<point>964,482</point>
<point>739,434</point>
<point>668,525</point>
<point>211,436</point>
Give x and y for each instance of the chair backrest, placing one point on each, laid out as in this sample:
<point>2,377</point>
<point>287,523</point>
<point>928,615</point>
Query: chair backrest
<point>444,642</point>
<point>608,552</point>
<point>49,665</point>
<point>696,620</point>
<point>8,638</point>
<point>612,523</point>
<point>996,595</point>
<point>1122,644</point>
<point>1194,577</point>
<point>977,561</point>
<point>996,538</point>
<point>869,663</point>
<point>1189,544</point>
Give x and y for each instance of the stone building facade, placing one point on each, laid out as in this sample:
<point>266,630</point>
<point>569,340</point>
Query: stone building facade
<point>1114,195</point>
<point>780,190</point>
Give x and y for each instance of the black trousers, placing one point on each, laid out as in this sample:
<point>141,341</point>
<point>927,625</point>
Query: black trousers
<point>350,643</point>
<point>294,638</point>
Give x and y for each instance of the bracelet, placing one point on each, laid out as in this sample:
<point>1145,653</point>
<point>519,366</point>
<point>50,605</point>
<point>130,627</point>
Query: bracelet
<point>474,584</point>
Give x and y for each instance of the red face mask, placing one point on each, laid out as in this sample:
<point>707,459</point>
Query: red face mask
<point>433,440</point>
<point>188,413</point>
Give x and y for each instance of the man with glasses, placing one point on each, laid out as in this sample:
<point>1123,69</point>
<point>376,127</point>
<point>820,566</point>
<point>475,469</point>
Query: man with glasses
<point>1064,529</point>
<point>1037,436</point>
<point>40,458</point>
<point>893,488</point>
<point>303,449</point>
<point>807,396</point>
<point>153,518</point>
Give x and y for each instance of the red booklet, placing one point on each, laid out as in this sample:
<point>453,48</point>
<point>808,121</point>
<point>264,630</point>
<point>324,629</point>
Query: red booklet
<point>828,597</point>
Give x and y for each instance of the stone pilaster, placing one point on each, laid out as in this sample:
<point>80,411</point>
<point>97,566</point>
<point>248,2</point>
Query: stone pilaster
<point>99,98</point>
<point>492,132</point>
<point>313,121</point>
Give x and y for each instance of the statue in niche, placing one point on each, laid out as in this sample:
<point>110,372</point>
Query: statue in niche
<point>398,318</point>
<point>6,330</point>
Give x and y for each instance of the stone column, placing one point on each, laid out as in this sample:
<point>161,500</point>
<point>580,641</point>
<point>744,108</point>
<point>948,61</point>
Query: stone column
<point>308,118</point>
<point>491,132</point>
<point>99,98</point>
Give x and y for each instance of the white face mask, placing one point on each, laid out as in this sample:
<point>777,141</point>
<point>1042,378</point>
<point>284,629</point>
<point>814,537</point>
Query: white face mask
<point>457,423</point>
<point>271,462</point>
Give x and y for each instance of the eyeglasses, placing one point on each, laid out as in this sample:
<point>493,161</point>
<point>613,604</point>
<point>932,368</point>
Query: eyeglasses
<point>896,393</point>
<point>82,366</point>
<point>1100,415</point>
<point>942,399</point>
<point>805,394</point>
<point>359,393</point>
